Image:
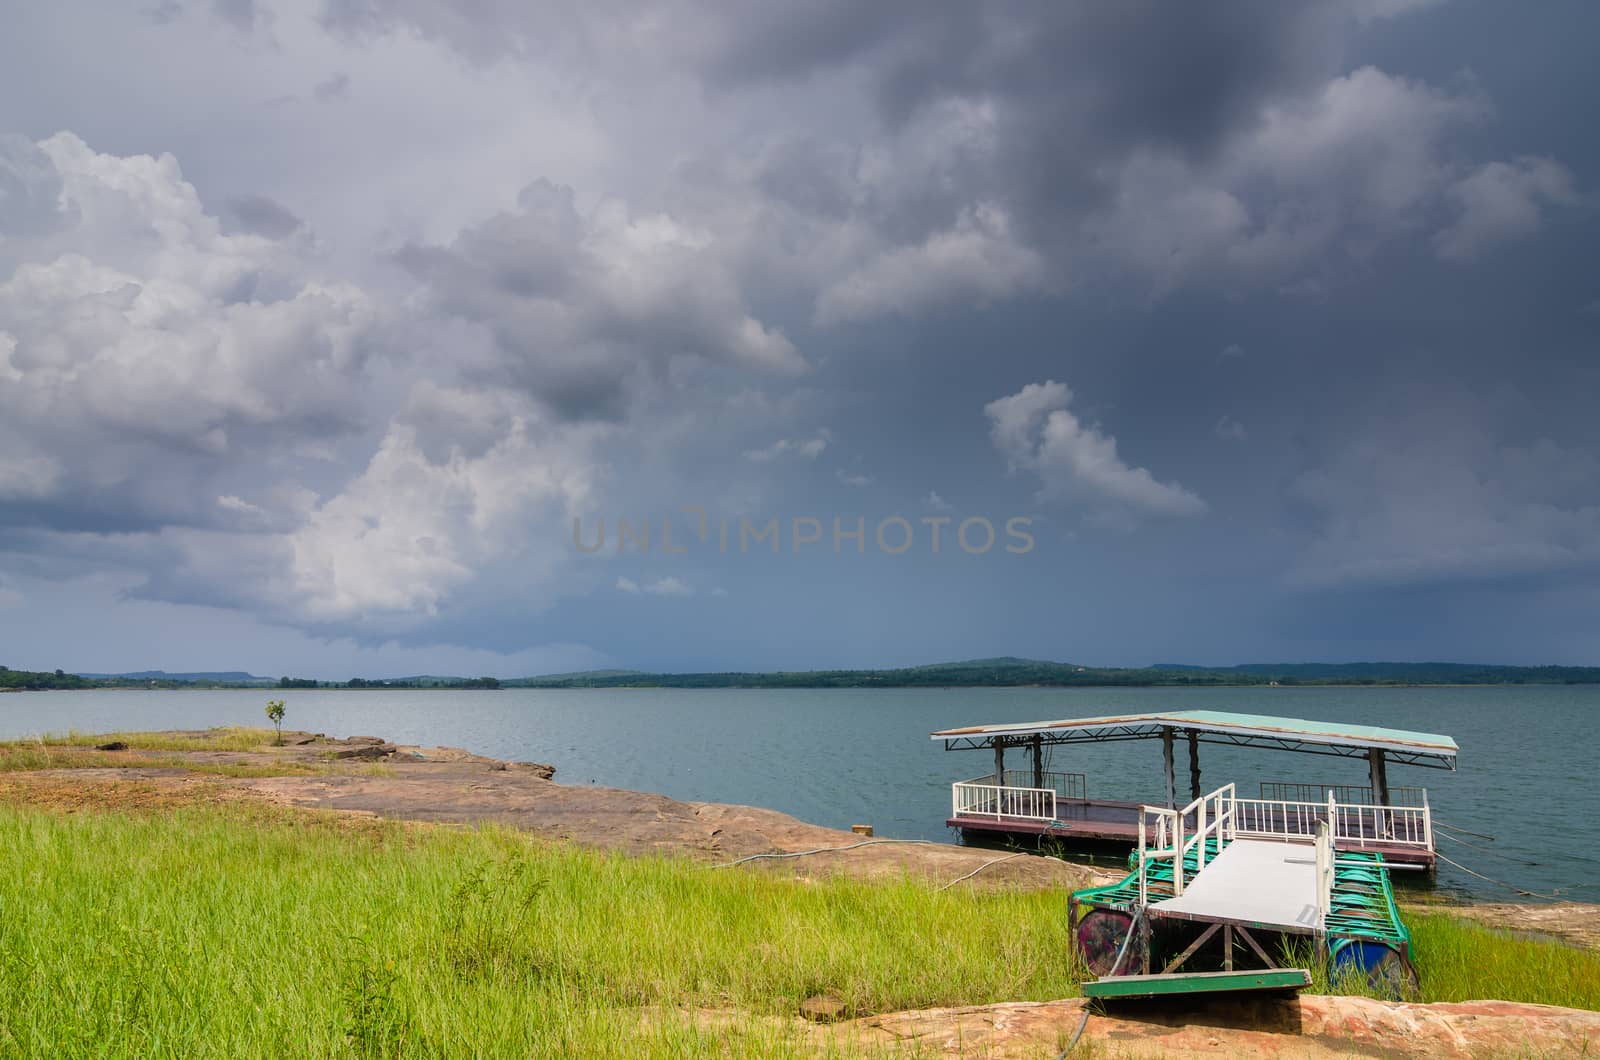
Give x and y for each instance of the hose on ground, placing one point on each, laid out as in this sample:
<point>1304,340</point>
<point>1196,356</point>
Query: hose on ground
<point>980,868</point>
<point>819,850</point>
<point>1122,952</point>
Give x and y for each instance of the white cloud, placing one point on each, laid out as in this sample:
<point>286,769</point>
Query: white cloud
<point>1230,429</point>
<point>668,586</point>
<point>1075,461</point>
<point>1503,201</point>
<point>140,342</point>
<point>977,261</point>
<point>238,504</point>
<point>1232,351</point>
<point>936,502</point>
<point>853,478</point>
<point>806,448</point>
<point>11,598</point>
<point>430,512</point>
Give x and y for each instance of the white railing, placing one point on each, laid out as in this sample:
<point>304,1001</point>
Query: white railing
<point>977,799</point>
<point>1325,860</point>
<point>1277,818</point>
<point>1221,813</point>
<point>1355,824</point>
<point>1389,825</point>
<point>1213,815</point>
<point>1162,844</point>
<point>1069,787</point>
<point>1295,791</point>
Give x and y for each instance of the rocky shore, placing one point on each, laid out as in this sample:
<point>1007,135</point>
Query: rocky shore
<point>369,776</point>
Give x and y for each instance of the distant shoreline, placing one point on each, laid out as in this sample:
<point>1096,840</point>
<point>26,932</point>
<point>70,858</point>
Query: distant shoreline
<point>1002,672</point>
<point>864,687</point>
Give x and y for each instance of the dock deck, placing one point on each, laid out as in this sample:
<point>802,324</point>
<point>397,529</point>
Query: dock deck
<point>1209,876</point>
<point>1117,821</point>
<point>1253,881</point>
<point>1374,819</point>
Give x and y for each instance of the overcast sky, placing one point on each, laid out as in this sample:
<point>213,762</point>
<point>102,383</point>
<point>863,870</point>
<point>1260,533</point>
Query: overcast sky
<point>1198,333</point>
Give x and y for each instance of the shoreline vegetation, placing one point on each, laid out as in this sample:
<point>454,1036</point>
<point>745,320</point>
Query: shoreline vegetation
<point>170,907</point>
<point>1006,672</point>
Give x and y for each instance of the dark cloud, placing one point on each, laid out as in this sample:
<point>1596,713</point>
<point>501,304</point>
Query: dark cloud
<point>241,14</point>
<point>334,88</point>
<point>581,307</point>
<point>262,216</point>
<point>754,234</point>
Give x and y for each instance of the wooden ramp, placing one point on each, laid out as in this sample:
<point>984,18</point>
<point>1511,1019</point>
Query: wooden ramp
<point>1256,882</point>
<point>1129,986</point>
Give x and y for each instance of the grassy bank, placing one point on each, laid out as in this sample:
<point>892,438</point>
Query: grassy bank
<point>242,931</point>
<point>228,738</point>
<point>158,750</point>
<point>236,932</point>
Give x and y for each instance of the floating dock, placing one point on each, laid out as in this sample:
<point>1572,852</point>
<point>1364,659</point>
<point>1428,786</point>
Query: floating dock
<point>1235,889</point>
<point>1393,823</point>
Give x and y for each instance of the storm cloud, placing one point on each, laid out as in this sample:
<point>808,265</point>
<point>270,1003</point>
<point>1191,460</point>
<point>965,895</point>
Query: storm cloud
<point>1287,295</point>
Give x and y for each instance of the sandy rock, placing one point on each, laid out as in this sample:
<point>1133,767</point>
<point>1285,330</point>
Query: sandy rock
<point>366,751</point>
<point>1577,923</point>
<point>823,1008</point>
<point>1308,1026</point>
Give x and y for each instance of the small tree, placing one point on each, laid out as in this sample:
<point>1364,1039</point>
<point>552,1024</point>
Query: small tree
<point>275,715</point>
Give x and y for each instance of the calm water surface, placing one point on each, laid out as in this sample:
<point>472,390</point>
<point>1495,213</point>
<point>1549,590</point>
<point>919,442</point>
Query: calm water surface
<point>863,756</point>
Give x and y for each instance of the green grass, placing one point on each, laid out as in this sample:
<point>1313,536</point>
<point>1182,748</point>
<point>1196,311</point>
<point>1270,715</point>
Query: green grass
<point>242,931</point>
<point>229,738</point>
<point>1459,960</point>
<point>1462,961</point>
<point>207,932</point>
<point>30,757</point>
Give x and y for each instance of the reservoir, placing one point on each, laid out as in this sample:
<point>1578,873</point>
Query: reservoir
<point>863,756</point>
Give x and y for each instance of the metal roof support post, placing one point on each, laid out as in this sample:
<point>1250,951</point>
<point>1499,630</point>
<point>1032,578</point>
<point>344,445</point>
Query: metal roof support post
<point>1377,769</point>
<point>1166,760</point>
<point>1038,760</point>
<point>999,761</point>
<point>1194,765</point>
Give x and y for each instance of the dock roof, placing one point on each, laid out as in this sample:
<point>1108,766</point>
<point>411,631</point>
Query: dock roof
<point>1217,726</point>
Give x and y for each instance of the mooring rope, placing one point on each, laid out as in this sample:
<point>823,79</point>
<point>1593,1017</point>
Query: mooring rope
<point>1556,897</point>
<point>1485,850</point>
<point>1464,831</point>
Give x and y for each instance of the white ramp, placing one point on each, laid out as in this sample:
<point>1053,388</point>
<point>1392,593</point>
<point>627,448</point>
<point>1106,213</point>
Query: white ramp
<point>1256,881</point>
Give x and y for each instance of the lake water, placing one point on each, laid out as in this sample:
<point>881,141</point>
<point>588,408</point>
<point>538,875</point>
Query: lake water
<point>842,757</point>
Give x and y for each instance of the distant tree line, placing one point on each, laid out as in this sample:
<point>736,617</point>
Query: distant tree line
<point>1026,672</point>
<point>399,682</point>
<point>40,680</point>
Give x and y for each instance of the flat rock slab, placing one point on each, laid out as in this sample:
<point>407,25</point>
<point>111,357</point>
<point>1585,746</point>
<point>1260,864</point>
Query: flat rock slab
<point>1577,923</point>
<point>1309,1026</point>
<point>466,792</point>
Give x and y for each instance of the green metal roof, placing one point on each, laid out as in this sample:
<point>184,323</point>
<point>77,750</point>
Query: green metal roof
<point>1245,729</point>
